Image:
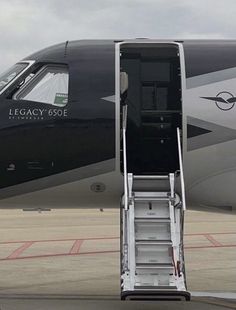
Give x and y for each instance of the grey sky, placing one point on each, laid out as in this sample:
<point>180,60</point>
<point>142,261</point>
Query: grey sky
<point>29,25</point>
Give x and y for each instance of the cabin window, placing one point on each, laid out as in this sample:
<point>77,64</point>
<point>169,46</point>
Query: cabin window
<point>50,86</point>
<point>9,75</point>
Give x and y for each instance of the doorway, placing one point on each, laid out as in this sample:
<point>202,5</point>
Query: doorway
<point>154,106</point>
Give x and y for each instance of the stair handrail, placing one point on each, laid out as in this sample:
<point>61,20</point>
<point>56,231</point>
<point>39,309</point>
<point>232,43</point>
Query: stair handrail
<point>181,170</point>
<point>124,124</point>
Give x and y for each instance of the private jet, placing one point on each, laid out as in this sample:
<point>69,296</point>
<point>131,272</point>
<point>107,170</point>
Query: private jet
<point>147,126</point>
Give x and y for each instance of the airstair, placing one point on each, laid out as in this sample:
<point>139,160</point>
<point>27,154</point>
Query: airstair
<point>152,258</point>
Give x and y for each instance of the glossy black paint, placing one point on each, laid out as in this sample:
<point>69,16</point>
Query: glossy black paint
<point>207,56</point>
<point>35,148</point>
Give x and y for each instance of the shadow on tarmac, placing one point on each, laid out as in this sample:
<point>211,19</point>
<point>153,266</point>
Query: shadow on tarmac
<point>29,302</point>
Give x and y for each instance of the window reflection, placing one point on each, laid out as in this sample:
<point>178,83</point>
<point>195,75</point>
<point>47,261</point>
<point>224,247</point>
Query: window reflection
<point>49,86</point>
<point>7,76</point>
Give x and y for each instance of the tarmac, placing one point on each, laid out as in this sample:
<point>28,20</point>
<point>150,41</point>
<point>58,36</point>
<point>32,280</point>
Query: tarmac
<point>69,259</point>
<point>69,304</point>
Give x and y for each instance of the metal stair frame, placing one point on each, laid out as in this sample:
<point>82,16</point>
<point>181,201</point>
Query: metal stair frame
<point>176,290</point>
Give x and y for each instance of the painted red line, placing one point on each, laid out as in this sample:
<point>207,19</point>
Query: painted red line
<point>15,254</point>
<point>212,240</point>
<point>109,238</point>
<point>211,246</point>
<point>106,252</point>
<point>60,254</point>
<point>55,240</point>
<point>76,247</point>
<point>211,233</point>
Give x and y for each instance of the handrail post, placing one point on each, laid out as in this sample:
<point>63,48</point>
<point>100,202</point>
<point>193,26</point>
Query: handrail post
<point>181,170</point>
<point>126,198</point>
<point>124,124</point>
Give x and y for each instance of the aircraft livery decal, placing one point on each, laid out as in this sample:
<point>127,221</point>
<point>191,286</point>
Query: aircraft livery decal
<point>224,100</point>
<point>208,134</point>
<point>35,113</point>
<point>210,78</point>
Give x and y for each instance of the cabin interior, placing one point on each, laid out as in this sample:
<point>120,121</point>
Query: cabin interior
<point>154,107</point>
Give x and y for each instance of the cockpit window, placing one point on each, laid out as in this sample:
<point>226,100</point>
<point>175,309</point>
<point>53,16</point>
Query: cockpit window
<point>49,85</point>
<point>7,76</point>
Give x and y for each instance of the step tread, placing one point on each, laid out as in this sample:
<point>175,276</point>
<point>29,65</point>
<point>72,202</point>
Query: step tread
<point>149,199</point>
<point>154,266</point>
<point>151,220</point>
<point>153,242</point>
<point>159,287</point>
<point>151,177</point>
<point>151,194</point>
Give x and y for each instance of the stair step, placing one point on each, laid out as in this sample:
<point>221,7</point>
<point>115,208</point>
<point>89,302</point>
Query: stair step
<point>154,266</point>
<point>149,220</point>
<point>149,239</point>
<point>151,177</point>
<point>151,194</point>
<point>151,242</point>
<point>149,199</point>
<point>148,210</point>
<point>150,287</point>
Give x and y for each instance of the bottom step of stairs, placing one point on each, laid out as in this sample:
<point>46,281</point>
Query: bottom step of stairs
<point>156,295</point>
